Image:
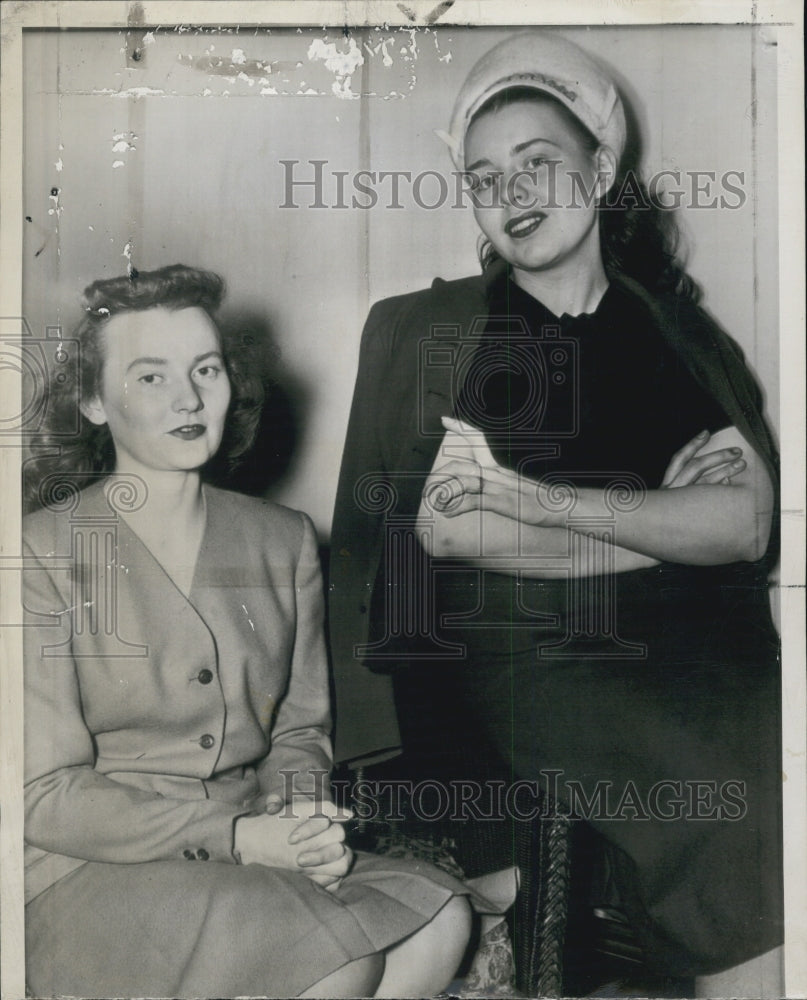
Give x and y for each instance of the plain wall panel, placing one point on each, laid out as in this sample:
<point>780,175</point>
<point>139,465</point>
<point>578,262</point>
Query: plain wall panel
<point>199,179</point>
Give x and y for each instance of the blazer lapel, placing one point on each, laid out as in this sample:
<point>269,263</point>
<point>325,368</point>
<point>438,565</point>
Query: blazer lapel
<point>139,592</point>
<point>452,327</point>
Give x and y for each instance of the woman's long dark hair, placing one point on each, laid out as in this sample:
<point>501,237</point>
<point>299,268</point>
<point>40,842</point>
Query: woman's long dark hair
<point>639,238</point>
<point>71,445</point>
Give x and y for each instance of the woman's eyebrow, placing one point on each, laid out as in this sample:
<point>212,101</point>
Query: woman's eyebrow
<point>476,164</point>
<point>162,361</point>
<point>146,361</point>
<point>519,148</point>
<point>531,142</point>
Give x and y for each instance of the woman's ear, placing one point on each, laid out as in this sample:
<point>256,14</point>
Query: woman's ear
<point>93,410</point>
<point>606,163</point>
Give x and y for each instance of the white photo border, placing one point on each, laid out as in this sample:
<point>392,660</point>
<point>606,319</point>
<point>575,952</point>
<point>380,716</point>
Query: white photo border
<point>785,15</point>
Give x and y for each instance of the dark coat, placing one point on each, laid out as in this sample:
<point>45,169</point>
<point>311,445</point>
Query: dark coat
<point>393,436</point>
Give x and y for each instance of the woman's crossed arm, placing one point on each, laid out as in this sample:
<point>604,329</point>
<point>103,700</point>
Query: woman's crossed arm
<point>489,516</point>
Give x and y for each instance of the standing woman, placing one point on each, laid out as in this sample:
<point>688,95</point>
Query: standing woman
<point>594,479</point>
<point>180,838</point>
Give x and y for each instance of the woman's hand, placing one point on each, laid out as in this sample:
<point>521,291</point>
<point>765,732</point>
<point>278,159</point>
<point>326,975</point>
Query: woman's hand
<point>264,840</point>
<point>687,467</point>
<point>472,479</point>
<point>305,834</point>
<point>324,858</point>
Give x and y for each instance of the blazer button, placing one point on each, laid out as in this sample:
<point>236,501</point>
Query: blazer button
<point>202,854</point>
<point>362,609</point>
<point>188,855</point>
<point>204,676</point>
<point>207,741</point>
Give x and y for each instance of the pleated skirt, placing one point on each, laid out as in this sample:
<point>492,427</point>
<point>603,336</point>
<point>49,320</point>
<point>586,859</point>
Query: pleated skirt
<point>211,929</point>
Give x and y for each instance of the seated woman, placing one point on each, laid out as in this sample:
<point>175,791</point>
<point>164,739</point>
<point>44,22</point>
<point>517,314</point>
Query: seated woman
<point>176,697</point>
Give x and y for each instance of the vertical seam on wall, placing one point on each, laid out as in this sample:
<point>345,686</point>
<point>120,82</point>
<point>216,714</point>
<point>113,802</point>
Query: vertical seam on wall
<point>755,190</point>
<point>364,161</point>
<point>135,166</point>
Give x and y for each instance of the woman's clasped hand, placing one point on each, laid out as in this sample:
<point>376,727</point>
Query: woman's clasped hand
<point>304,835</point>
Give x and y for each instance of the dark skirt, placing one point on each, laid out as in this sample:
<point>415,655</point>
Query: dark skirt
<point>208,929</point>
<point>653,713</point>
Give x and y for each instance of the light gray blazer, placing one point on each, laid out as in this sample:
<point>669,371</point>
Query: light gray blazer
<point>153,721</point>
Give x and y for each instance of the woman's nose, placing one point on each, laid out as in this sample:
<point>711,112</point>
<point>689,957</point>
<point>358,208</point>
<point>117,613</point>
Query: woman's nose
<point>518,189</point>
<point>188,398</point>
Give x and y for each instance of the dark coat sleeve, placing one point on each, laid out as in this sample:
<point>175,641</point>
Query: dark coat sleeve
<point>718,364</point>
<point>393,434</point>
<point>365,721</point>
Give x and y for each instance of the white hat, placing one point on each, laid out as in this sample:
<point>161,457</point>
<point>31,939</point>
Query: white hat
<point>547,62</point>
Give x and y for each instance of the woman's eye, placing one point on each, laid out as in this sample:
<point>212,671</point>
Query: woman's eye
<point>481,182</point>
<point>150,378</point>
<point>536,161</point>
<point>208,372</point>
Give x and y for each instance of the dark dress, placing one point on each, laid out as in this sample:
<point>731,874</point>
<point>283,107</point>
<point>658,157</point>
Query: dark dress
<point>682,686</point>
<point>647,701</point>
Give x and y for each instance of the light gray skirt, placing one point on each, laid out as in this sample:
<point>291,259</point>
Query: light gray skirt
<point>211,929</point>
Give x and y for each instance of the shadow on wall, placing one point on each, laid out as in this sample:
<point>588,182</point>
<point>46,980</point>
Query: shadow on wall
<point>286,400</point>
